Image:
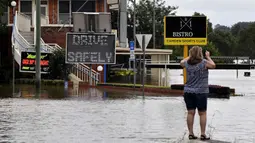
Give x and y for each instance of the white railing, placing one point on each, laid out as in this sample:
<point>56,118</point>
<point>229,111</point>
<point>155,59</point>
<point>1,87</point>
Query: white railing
<point>23,22</point>
<point>83,72</point>
<point>44,20</point>
<point>20,42</point>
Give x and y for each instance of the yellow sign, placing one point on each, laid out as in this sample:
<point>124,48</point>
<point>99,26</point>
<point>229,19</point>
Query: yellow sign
<point>185,30</point>
<point>185,41</point>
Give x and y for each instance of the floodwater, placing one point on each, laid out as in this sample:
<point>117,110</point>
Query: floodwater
<point>95,116</point>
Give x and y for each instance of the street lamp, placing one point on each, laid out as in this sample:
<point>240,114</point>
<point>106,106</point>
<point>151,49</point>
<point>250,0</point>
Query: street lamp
<point>99,68</point>
<point>134,22</point>
<point>13,4</point>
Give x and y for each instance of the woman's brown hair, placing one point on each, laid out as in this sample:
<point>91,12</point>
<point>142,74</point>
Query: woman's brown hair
<point>195,55</point>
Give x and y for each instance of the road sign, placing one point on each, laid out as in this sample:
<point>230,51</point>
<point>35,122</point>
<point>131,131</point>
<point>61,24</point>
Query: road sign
<point>114,7</point>
<point>140,39</point>
<point>132,48</point>
<point>90,48</point>
<point>131,45</point>
<point>185,30</point>
<point>110,2</point>
<point>28,62</point>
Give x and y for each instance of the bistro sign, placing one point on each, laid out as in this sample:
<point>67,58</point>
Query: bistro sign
<point>185,30</point>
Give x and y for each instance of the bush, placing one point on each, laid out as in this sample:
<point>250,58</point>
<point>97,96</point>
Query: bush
<point>43,82</point>
<point>58,69</point>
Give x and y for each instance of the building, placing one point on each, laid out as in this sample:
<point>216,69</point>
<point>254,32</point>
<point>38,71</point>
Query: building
<point>56,21</point>
<point>58,11</point>
<point>56,14</point>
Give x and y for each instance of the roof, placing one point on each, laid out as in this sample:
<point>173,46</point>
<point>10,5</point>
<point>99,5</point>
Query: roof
<point>138,51</point>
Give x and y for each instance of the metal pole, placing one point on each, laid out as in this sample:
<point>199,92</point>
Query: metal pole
<point>140,66</point>
<point>236,67</point>
<point>123,23</point>
<point>165,74</point>
<point>134,69</point>
<point>134,35</point>
<point>134,22</point>
<point>105,71</point>
<point>90,74</point>
<point>70,12</point>
<point>13,59</point>
<point>154,26</point>
<point>37,46</point>
<point>143,73</point>
<point>13,72</point>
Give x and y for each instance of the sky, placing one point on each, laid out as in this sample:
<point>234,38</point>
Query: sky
<point>224,12</point>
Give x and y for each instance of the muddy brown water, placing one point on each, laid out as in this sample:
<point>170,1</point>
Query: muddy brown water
<point>96,116</point>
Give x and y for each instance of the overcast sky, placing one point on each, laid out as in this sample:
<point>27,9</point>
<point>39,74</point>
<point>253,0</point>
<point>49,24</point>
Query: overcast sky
<point>224,12</point>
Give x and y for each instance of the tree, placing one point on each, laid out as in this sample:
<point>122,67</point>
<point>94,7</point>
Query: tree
<point>209,24</point>
<point>58,69</point>
<point>222,28</point>
<point>224,41</point>
<point>212,49</point>
<point>238,27</point>
<point>246,42</point>
<point>144,18</point>
<point>3,5</point>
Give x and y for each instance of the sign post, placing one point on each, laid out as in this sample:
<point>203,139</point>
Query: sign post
<point>185,54</point>
<point>143,40</point>
<point>185,31</point>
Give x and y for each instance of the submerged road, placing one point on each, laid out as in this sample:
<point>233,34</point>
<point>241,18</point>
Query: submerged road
<point>91,116</point>
<point>218,66</point>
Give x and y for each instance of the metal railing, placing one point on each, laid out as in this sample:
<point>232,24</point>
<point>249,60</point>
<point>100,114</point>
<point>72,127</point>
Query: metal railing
<point>23,22</point>
<point>20,42</point>
<point>82,72</point>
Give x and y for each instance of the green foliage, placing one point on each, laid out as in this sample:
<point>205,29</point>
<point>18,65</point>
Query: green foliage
<point>4,5</point>
<point>224,39</point>
<point>3,29</point>
<point>209,24</point>
<point>144,17</point>
<point>58,69</point>
<point>211,48</point>
<point>246,41</point>
<point>43,82</point>
<point>124,73</point>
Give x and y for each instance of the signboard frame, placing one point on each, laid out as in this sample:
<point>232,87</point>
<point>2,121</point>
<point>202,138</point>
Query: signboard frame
<point>182,38</point>
<point>20,67</point>
<point>72,33</point>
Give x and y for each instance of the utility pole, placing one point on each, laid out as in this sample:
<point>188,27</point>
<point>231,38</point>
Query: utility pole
<point>134,22</point>
<point>38,46</point>
<point>154,26</point>
<point>123,23</point>
<point>105,66</point>
<point>13,4</point>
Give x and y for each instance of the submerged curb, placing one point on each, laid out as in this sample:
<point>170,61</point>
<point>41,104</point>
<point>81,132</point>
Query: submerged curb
<point>175,90</point>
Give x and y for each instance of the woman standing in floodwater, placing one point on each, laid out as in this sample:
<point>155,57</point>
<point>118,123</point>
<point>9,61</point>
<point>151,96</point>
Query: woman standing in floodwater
<point>196,88</point>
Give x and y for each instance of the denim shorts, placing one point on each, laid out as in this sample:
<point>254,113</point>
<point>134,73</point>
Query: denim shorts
<point>196,101</point>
